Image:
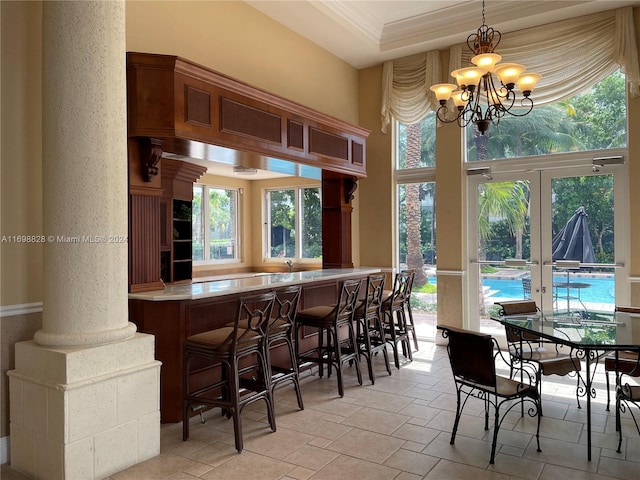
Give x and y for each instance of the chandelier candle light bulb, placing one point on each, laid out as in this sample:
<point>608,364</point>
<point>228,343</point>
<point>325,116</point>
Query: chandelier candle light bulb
<point>483,100</point>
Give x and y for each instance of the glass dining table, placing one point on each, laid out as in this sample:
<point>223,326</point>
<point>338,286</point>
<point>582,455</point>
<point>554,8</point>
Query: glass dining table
<point>589,335</point>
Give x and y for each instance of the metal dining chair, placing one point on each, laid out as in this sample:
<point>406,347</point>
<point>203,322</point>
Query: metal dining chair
<point>525,347</point>
<point>473,359</point>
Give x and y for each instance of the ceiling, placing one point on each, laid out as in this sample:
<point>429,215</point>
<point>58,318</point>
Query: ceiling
<point>368,32</point>
<point>365,33</point>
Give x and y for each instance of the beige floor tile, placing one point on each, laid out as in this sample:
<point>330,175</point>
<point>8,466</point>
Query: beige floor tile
<point>411,462</point>
<point>366,445</point>
<point>555,472</point>
<point>315,423</point>
<point>375,420</point>
<point>182,476</point>
<point>213,454</point>
<point>415,409</point>
<point>391,384</point>
<point>311,457</point>
<point>469,451</point>
<point>446,470</point>
<point>345,467</point>
<point>516,466</point>
<point>381,400</point>
<point>277,444</point>
<point>318,442</point>
<point>563,453</point>
<point>300,473</point>
<point>250,466</point>
<point>416,433</point>
<point>616,468</point>
<point>162,466</point>
<point>552,428</point>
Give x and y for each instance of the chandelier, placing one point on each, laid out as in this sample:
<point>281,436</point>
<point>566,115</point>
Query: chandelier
<point>486,91</point>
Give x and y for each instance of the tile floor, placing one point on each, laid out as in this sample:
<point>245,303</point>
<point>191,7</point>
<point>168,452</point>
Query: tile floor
<point>397,429</point>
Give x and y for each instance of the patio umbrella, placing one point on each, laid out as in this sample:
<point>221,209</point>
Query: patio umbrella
<point>573,242</point>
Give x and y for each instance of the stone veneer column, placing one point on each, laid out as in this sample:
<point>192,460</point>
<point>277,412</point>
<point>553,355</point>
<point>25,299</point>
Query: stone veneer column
<point>85,392</point>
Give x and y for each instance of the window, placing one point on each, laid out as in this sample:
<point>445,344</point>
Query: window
<point>293,223</point>
<point>593,120</point>
<point>215,224</point>
<point>417,143</point>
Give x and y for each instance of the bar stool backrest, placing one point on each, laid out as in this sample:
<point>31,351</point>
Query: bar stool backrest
<point>285,306</point>
<point>253,312</point>
<point>347,300</point>
<point>401,288</point>
<point>375,293</point>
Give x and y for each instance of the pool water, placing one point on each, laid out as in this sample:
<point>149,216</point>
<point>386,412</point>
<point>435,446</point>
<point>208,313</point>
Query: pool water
<point>602,289</point>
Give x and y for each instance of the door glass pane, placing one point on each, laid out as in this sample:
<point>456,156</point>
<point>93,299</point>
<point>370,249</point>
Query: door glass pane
<point>504,244</point>
<point>582,243</point>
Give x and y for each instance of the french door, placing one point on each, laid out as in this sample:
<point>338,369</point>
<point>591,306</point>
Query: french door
<point>555,235</point>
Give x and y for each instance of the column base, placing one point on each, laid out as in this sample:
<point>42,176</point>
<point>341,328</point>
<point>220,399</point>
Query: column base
<point>84,413</point>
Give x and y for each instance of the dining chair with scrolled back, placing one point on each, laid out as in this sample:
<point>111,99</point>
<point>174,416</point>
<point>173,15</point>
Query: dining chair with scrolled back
<point>473,357</point>
<point>625,360</point>
<point>628,395</point>
<point>526,347</point>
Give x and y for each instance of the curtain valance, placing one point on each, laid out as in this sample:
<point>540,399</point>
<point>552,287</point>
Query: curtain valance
<point>571,55</point>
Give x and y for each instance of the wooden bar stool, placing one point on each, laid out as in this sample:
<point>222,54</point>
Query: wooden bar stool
<point>238,385</point>
<point>369,327</point>
<point>329,319</point>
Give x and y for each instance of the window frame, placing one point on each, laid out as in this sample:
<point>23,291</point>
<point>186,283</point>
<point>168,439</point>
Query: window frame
<point>237,258</point>
<point>298,200</point>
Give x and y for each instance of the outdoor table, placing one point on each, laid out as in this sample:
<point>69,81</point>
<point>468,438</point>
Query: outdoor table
<point>589,335</point>
<point>568,286</point>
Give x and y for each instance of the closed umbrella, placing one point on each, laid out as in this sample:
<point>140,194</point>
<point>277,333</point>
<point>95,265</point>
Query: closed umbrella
<point>573,242</point>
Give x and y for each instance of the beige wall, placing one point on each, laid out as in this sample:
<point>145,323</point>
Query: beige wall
<point>376,193</point>
<point>21,151</point>
<point>238,40</point>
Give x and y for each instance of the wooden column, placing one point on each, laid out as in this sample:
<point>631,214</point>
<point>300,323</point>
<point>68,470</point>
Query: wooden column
<point>337,193</point>
<point>145,190</point>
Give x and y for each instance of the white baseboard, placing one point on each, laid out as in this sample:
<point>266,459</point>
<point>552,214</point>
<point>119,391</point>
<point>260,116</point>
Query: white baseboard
<point>4,449</point>
<point>21,309</point>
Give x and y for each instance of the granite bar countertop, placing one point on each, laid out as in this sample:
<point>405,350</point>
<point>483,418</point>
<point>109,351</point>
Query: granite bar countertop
<point>259,281</point>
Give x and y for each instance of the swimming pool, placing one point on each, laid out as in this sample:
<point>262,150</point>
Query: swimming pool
<point>602,289</point>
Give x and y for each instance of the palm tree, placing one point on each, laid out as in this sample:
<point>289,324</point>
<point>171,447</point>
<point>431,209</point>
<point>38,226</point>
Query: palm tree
<point>415,260</point>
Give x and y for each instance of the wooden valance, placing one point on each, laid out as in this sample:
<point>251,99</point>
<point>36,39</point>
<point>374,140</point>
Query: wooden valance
<point>188,108</point>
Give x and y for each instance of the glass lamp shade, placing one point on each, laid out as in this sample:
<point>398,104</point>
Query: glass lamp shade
<point>486,60</point>
<point>469,76</point>
<point>443,91</point>
<point>460,99</point>
<point>508,73</point>
<point>527,82</point>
